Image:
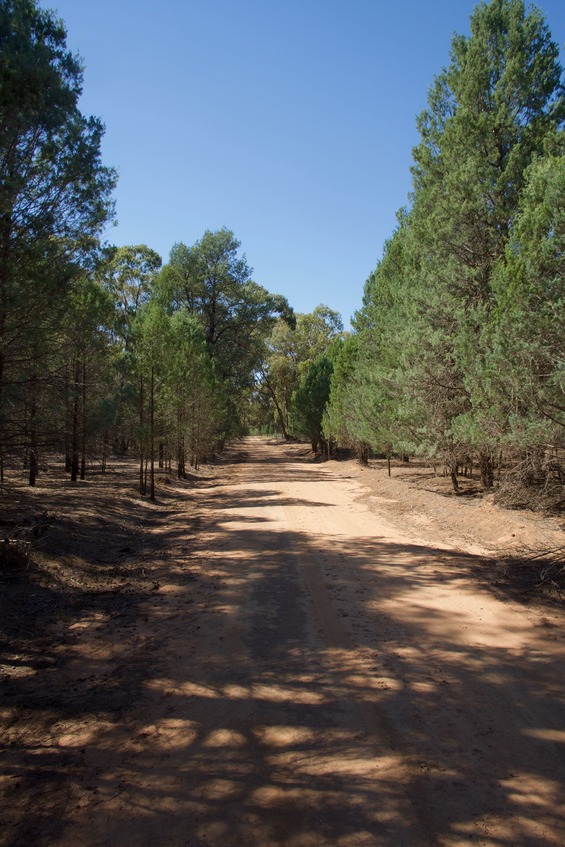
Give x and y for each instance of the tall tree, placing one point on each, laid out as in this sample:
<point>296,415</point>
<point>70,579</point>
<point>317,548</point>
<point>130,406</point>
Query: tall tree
<point>85,345</point>
<point>445,314</point>
<point>129,275</point>
<point>150,331</point>
<point>489,114</point>
<point>213,282</point>
<point>193,395</point>
<point>55,195</point>
<point>522,397</point>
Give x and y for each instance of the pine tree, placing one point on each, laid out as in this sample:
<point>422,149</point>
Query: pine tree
<point>55,198</point>
<point>489,115</point>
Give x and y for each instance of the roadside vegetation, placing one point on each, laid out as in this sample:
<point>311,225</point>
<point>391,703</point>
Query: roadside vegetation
<point>125,626</point>
<point>456,354</point>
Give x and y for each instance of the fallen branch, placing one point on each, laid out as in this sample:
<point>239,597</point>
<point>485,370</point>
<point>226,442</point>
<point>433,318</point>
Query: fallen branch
<point>536,570</point>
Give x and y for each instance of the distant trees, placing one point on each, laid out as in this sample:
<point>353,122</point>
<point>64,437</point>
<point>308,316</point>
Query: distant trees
<point>100,349</point>
<point>458,350</point>
<point>86,374</point>
<point>179,397</point>
<point>289,351</point>
<point>310,399</point>
<point>212,282</point>
<point>129,275</point>
<point>187,341</point>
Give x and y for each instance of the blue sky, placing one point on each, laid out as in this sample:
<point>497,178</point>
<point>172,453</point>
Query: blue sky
<point>291,122</point>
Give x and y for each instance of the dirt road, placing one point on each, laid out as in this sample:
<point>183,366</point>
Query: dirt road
<point>309,674</point>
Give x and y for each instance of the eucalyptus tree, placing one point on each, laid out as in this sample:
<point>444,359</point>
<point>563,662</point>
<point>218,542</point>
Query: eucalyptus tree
<point>212,281</point>
<point>129,276</point>
<point>289,350</point>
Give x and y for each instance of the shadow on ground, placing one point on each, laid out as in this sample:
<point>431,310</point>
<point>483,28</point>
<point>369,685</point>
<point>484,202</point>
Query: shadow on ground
<point>375,728</point>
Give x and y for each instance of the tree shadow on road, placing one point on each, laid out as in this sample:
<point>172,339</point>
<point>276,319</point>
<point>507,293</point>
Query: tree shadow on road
<point>325,704</point>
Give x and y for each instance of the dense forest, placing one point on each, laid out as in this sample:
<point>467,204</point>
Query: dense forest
<point>456,354</point>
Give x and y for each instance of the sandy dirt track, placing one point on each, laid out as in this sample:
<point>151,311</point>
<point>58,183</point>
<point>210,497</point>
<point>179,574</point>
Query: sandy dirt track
<point>306,671</point>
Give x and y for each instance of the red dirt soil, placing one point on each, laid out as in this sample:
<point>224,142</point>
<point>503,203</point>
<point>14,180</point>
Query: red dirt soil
<point>277,652</point>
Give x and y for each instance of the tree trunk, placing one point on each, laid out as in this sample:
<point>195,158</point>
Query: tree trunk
<point>284,431</point>
<point>5,250</point>
<point>83,425</point>
<point>181,459</point>
<point>75,425</point>
<point>487,470</point>
<point>181,450</point>
<point>282,422</point>
<point>363,454</point>
<point>2,422</point>
<point>152,434</point>
<point>142,488</point>
<point>68,422</point>
<point>33,463</point>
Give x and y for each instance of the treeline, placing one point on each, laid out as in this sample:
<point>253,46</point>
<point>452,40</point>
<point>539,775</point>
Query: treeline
<point>103,351</point>
<point>185,342</point>
<point>457,353</point>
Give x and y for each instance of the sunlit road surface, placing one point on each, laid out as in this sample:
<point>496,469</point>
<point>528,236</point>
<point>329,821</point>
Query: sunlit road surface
<point>325,680</point>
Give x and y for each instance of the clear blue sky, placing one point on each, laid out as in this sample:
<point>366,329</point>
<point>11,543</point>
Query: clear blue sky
<point>291,122</point>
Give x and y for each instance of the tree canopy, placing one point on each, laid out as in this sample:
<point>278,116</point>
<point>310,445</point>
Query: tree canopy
<point>55,199</point>
<point>457,351</point>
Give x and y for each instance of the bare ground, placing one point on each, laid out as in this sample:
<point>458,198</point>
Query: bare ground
<point>278,653</point>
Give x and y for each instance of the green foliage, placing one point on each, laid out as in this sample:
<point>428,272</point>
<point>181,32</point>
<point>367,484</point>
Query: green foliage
<point>526,341</point>
<point>309,401</point>
<point>489,115</point>
<point>194,399</point>
<point>289,351</point>
<point>55,199</point>
<point>459,346</point>
<point>129,275</point>
<point>458,350</point>
<point>213,283</point>
<point>340,417</point>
